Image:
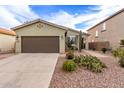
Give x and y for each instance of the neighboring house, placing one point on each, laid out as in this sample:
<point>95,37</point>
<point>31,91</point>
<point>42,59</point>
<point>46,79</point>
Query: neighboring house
<point>107,33</point>
<point>7,40</point>
<point>39,36</point>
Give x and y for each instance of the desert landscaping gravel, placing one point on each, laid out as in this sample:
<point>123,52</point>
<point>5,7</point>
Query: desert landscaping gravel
<point>111,77</point>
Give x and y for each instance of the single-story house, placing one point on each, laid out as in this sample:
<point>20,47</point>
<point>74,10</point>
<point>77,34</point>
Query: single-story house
<point>107,33</point>
<point>7,40</point>
<point>40,36</point>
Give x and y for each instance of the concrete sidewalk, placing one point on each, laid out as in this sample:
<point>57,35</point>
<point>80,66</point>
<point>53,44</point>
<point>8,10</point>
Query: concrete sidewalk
<point>29,70</point>
<point>93,53</point>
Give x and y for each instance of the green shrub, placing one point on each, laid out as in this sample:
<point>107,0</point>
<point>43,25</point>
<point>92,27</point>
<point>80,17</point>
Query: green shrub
<point>115,53</point>
<point>70,55</point>
<point>103,65</point>
<point>90,62</point>
<point>96,67</point>
<point>93,49</point>
<point>85,61</point>
<point>104,50</point>
<point>72,48</point>
<point>121,62</point>
<point>122,42</point>
<point>76,59</point>
<point>118,53</point>
<point>69,65</point>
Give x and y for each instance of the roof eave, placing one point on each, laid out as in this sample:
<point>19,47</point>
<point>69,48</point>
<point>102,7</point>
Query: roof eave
<point>46,22</point>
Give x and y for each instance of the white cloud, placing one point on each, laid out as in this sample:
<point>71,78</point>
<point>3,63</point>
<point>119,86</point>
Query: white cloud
<point>69,20</point>
<point>61,18</point>
<point>11,16</point>
<point>106,11</point>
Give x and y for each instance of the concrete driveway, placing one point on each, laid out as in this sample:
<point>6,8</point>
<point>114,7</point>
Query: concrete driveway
<point>28,70</point>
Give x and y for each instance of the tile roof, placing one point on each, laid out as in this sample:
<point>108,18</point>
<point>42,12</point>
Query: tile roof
<point>7,32</point>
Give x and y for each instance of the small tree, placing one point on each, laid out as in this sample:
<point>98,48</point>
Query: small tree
<point>104,50</point>
<point>80,41</point>
<point>122,42</point>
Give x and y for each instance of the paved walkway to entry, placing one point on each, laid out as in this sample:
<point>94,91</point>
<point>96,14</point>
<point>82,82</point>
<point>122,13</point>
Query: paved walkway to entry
<point>94,53</point>
<point>29,70</point>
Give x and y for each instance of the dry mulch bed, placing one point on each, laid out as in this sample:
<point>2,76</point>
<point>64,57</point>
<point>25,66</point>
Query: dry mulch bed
<point>111,77</point>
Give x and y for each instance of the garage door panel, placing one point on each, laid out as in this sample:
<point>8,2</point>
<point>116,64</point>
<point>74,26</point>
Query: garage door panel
<point>40,44</point>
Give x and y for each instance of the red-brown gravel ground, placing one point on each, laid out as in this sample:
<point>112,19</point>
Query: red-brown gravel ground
<point>111,77</point>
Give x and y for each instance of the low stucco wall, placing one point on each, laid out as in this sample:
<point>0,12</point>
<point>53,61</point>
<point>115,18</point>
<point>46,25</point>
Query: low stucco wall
<point>7,43</point>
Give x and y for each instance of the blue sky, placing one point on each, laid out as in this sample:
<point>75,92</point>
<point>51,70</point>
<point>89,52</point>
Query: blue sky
<point>71,9</point>
<point>79,17</point>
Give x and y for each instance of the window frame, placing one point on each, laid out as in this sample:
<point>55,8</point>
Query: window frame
<point>96,33</point>
<point>103,27</point>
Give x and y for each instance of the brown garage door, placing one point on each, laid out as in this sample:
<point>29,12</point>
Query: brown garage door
<point>40,44</point>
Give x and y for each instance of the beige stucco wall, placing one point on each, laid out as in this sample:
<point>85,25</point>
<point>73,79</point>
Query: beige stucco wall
<point>7,43</point>
<point>72,33</point>
<point>45,30</point>
<point>114,31</point>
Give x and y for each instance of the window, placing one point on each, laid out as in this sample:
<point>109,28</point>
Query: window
<point>72,39</point>
<point>97,33</point>
<point>104,27</point>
